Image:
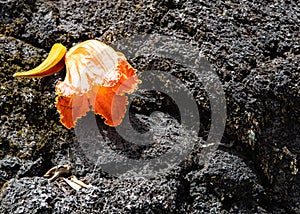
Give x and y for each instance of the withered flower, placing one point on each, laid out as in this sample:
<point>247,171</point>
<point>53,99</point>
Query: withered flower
<point>97,78</point>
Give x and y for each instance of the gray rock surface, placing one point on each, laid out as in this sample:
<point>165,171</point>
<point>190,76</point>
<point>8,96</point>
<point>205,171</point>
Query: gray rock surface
<point>252,46</point>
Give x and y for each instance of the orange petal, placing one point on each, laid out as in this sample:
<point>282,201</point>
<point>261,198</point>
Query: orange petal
<point>71,109</point>
<point>111,106</point>
<point>128,81</point>
<point>90,63</point>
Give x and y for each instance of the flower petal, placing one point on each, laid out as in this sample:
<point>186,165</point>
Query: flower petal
<point>71,109</point>
<point>128,81</point>
<point>52,64</point>
<point>110,106</point>
<point>88,64</point>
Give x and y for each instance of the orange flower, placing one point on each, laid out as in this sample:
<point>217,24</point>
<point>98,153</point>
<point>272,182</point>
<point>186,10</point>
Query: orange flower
<point>97,78</point>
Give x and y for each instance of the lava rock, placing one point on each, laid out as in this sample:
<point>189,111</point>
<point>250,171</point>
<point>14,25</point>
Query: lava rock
<point>252,46</point>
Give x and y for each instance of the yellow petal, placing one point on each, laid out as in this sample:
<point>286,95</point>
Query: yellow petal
<point>52,64</point>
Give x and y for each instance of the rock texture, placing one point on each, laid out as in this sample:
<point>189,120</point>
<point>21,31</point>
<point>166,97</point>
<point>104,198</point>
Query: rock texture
<point>252,46</point>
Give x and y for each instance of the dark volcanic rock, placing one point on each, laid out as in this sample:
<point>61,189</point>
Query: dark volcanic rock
<point>39,195</point>
<point>252,46</point>
<point>227,177</point>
